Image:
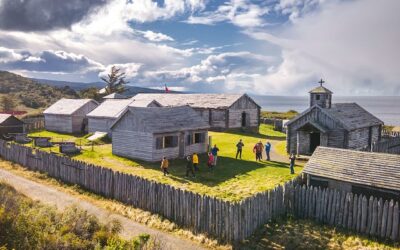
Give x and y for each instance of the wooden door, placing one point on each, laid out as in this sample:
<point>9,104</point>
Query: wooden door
<point>182,145</point>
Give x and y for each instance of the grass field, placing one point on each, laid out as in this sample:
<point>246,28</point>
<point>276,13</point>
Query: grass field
<point>231,179</point>
<point>307,235</point>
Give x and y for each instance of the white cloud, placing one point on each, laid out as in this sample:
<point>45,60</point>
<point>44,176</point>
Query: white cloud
<point>353,45</point>
<point>156,37</point>
<point>241,13</point>
<point>130,69</point>
<point>9,55</point>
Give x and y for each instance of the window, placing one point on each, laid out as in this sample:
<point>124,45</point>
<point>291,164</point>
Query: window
<point>199,137</point>
<point>166,142</point>
<point>317,97</point>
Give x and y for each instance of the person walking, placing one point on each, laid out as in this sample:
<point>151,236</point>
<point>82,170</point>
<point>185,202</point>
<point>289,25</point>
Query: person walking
<point>292,159</point>
<point>239,147</point>
<point>268,150</point>
<point>214,152</point>
<point>165,165</point>
<point>189,166</point>
<point>195,160</point>
<point>258,148</point>
<point>210,161</point>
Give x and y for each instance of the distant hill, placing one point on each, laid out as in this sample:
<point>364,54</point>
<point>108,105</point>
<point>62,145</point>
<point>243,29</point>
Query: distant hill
<point>30,94</point>
<point>79,86</point>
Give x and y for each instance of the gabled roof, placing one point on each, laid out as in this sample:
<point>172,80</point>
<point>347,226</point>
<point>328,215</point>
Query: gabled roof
<point>350,115</point>
<point>194,100</point>
<point>111,108</point>
<point>143,103</point>
<point>365,168</point>
<point>115,96</point>
<point>166,119</point>
<point>320,90</point>
<point>67,106</point>
<point>5,117</point>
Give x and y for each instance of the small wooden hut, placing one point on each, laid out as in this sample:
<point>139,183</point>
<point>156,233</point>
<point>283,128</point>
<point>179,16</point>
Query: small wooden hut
<point>221,111</point>
<point>366,173</point>
<point>151,133</point>
<point>102,117</point>
<point>68,115</point>
<point>339,125</point>
<point>10,124</point>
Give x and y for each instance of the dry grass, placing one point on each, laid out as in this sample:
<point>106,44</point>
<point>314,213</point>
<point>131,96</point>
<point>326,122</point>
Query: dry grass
<point>304,234</point>
<point>137,215</point>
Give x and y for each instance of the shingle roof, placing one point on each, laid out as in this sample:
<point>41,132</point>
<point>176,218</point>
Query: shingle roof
<point>112,108</point>
<point>168,119</point>
<point>365,168</point>
<point>320,90</point>
<point>115,96</point>
<point>143,103</point>
<point>193,100</point>
<point>352,116</point>
<point>67,106</point>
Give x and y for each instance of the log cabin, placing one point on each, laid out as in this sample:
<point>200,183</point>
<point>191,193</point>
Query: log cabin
<point>221,111</point>
<point>103,116</point>
<point>10,124</point>
<point>366,173</point>
<point>340,125</point>
<point>154,132</point>
<point>68,115</point>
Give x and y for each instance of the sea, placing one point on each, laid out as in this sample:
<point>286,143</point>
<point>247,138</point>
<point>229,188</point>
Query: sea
<point>386,108</point>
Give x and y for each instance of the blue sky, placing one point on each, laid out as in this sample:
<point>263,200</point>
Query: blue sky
<point>279,47</point>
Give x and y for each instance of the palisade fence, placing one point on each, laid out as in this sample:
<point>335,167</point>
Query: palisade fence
<point>388,145</point>
<point>225,221</point>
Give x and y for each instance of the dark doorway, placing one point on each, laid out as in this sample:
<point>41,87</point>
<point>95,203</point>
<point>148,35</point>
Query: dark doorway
<point>244,119</point>
<point>315,141</point>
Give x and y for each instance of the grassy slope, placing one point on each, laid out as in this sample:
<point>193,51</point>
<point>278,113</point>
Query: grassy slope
<point>304,234</point>
<point>231,180</point>
<point>279,115</point>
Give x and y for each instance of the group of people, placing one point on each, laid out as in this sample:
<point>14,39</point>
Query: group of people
<point>192,162</point>
<point>257,149</point>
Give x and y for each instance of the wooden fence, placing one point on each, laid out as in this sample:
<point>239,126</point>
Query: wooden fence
<point>390,134</point>
<point>389,145</point>
<point>226,221</point>
<point>33,124</point>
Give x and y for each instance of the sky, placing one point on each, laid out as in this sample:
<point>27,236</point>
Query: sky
<point>265,47</point>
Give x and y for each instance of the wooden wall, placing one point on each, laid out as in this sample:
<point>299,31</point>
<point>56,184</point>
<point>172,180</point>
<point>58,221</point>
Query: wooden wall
<point>100,124</point>
<point>133,145</point>
<point>58,123</point>
<point>226,221</point>
<point>244,104</point>
<point>334,138</point>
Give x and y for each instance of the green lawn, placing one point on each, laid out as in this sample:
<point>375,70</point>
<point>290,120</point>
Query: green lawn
<point>230,180</point>
<point>305,234</point>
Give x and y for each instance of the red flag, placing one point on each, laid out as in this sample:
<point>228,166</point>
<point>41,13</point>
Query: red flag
<point>166,89</point>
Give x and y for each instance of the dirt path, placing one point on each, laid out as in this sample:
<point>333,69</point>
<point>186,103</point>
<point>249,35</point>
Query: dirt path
<point>62,200</point>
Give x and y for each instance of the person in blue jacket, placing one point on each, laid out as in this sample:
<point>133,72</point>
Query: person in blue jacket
<point>268,150</point>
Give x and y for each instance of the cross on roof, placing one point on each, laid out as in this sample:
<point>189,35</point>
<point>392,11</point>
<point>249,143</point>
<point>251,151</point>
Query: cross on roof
<point>321,82</point>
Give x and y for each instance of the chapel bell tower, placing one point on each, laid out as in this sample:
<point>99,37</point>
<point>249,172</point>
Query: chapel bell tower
<point>321,96</point>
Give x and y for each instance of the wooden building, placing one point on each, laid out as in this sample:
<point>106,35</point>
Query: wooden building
<point>10,124</point>
<point>359,172</point>
<point>68,115</point>
<point>222,111</point>
<point>103,116</point>
<point>152,133</point>
<point>340,125</point>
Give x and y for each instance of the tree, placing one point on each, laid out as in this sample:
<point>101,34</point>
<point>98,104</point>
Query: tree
<point>115,81</point>
<point>90,93</point>
<point>7,103</point>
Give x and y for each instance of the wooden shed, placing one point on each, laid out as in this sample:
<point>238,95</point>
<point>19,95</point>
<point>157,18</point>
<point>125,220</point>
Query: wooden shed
<point>354,171</point>
<point>68,115</point>
<point>340,125</point>
<point>10,124</point>
<point>222,111</point>
<point>152,133</point>
<point>102,117</point>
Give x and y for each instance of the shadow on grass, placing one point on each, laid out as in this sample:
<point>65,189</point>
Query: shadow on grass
<point>226,169</point>
<point>256,135</point>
